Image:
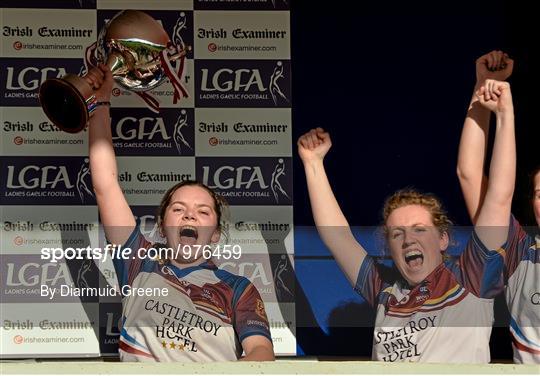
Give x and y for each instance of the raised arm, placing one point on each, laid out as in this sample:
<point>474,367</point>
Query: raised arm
<point>114,211</point>
<point>329,219</point>
<point>472,147</point>
<point>494,214</point>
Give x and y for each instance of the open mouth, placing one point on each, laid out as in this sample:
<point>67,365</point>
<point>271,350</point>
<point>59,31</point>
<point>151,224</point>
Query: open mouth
<point>188,235</point>
<point>414,258</point>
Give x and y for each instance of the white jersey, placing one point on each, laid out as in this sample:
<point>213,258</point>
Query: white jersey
<point>204,317</point>
<point>522,294</point>
<point>447,318</point>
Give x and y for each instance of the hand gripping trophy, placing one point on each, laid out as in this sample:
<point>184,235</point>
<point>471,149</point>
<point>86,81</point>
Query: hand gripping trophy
<point>139,53</point>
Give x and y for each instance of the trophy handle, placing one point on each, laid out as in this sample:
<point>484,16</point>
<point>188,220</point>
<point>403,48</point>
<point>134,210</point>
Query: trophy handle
<point>67,102</point>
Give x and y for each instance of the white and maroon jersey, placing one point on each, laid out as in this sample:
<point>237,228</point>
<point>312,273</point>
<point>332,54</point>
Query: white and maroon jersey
<point>446,319</point>
<point>522,292</point>
<point>207,314</point>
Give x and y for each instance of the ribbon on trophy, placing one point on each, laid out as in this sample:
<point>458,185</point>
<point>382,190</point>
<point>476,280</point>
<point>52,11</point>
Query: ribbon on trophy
<point>174,76</point>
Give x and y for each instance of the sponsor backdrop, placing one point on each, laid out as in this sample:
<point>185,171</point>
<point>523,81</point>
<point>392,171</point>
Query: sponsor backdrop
<point>233,133</point>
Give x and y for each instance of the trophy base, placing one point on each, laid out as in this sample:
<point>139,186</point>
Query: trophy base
<point>64,103</point>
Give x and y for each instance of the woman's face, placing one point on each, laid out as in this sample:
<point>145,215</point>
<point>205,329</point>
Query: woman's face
<point>415,243</point>
<point>536,197</point>
<point>190,222</point>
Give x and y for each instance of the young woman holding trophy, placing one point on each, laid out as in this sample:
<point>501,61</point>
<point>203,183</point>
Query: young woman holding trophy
<point>207,313</point>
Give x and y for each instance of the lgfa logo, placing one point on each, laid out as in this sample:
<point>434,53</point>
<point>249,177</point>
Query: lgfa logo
<point>226,79</point>
<point>51,177</point>
<point>30,78</point>
<point>33,274</point>
<point>241,177</point>
<point>32,177</point>
<point>243,80</point>
<point>247,177</point>
<point>145,128</point>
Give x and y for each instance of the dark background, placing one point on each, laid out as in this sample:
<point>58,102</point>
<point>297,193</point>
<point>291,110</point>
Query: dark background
<point>391,82</point>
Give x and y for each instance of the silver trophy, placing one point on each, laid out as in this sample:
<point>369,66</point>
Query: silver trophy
<point>137,50</point>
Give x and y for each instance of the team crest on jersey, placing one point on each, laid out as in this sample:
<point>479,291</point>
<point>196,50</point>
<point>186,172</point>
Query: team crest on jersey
<point>259,309</point>
<point>424,294</point>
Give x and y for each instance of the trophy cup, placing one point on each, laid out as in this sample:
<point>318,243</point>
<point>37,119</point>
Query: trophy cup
<point>138,52</point>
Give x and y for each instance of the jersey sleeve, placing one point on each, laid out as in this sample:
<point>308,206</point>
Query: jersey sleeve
<point>249,312</point>
<point>369,282</point>
<point>520,247</point>
<point>128,264</point>
<point>481,270</point>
